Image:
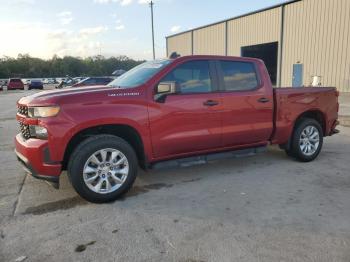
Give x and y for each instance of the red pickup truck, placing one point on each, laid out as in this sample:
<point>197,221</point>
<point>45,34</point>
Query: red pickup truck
<point>172,112</point>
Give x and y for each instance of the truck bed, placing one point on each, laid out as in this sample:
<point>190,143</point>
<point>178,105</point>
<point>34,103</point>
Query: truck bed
<point>291,103</point>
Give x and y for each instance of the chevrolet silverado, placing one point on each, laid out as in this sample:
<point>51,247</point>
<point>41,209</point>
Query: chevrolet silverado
<point>164,113</point>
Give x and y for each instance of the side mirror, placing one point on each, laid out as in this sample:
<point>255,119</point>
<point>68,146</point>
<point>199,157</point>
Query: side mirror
<point>163,90</point>
<point>166,88</point>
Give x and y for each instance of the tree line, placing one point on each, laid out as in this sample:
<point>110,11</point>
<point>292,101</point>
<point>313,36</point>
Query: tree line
<point>25,66</point>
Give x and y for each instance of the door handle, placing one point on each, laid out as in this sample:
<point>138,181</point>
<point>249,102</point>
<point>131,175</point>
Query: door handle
<point>263,100</point>
<point>211,103</point>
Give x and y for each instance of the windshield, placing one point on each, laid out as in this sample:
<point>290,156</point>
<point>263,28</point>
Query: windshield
<point>140,74</point>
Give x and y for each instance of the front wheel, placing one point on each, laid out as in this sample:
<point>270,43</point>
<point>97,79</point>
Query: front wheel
<point>307,140</point>
<point>102,168</point>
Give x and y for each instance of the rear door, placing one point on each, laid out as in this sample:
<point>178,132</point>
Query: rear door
<point>189,121</point>
<point>247,104</point>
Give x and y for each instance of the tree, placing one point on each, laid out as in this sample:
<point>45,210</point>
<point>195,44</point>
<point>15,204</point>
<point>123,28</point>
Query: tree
<point>26,66</point>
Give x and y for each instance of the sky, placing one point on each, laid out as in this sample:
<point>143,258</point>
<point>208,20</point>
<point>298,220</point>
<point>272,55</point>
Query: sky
<point>43,28</point>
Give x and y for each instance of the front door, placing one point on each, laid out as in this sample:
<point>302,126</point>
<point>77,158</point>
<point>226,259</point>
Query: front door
<point>189,121</point>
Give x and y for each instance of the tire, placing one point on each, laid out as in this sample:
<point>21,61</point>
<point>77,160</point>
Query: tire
<point>289,153</point>
<point>307,140</point>
<point>85,169</point>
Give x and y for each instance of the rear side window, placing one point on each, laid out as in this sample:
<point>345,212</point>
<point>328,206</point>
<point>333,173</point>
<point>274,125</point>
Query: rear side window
<point>191,77</point>
<point>239,76</point>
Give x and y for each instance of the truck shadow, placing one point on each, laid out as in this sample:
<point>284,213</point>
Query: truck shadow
<point>162,180</point>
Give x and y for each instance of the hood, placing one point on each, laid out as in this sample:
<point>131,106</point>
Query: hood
<point>49,96</point>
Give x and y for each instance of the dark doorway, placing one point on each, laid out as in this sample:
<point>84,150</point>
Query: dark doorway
<point>266,52</point>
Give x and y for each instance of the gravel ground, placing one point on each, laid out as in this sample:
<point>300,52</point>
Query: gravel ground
<point>262,208</point>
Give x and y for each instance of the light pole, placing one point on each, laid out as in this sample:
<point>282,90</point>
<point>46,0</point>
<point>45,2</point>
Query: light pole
<point>154,50</point>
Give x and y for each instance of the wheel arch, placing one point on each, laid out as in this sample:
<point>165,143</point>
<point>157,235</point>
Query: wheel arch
<point>124,131</point>
<point>315,114</point>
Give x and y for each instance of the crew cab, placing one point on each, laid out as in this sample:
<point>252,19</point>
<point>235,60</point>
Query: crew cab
<point>163,113</point>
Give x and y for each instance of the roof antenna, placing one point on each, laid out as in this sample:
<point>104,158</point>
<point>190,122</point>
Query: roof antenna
<point>174,55</point>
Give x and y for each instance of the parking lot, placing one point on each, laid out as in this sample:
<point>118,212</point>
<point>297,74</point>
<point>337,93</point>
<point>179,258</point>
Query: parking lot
<point>261,208</point>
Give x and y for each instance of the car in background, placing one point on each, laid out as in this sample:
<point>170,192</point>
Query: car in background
<point>94,81</point>
<point>36,84</point>
<point>119,72</point>
<point>3,82</point>
<point>15,83</point>
<point>78,79</point>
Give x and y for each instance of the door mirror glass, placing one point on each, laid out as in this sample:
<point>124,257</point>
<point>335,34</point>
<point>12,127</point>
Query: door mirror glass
<point>166,88</point>
<point>163,89</point>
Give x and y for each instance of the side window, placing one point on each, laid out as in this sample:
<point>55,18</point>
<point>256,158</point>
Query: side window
<point>239,76</point>
<point>191,77</point>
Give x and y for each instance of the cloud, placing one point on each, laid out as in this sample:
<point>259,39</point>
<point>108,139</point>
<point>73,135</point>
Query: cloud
<point>121,2</point>
<point>65,17</point>
<point>17,31</point>
<point>104,1</point>
<point>119,27</point>
<point>92,30</point>
<point>66,20</point>
<point>23,2</point>
<point>58,34</point>
<point>144,2</point>
<point>175,28</point>
<point>64,41</point>
<point>64,14</point>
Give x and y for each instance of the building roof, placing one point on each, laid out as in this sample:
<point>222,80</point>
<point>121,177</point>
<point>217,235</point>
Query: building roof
<point>237,17</point>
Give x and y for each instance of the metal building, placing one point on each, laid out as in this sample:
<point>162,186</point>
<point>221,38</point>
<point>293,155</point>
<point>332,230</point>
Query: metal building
<point>303,42</point>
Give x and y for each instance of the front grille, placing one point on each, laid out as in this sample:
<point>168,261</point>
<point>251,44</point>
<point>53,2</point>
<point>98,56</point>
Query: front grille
<point>23,110</point>
<point>24,130</point>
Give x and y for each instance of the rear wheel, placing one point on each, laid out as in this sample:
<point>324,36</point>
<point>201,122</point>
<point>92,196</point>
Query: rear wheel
<point>102,168</point>
<point>307,140</point>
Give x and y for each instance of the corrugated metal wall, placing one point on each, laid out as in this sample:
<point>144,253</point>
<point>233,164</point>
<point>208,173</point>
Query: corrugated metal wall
<point>182,44</point>
<point>254,29</point>
<point>317,34</point>
<point>210,40</point>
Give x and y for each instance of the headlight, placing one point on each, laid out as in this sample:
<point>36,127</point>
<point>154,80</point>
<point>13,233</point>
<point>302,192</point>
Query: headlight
<point>43,111</point>
<point>38,132</point>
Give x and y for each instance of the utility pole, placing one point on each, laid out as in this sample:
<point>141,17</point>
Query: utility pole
<point>151,4</point>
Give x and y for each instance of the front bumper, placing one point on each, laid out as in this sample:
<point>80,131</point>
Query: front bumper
<point>34,156</point>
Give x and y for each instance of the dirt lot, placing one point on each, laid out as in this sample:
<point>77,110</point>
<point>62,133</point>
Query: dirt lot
<point>262,208</point>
